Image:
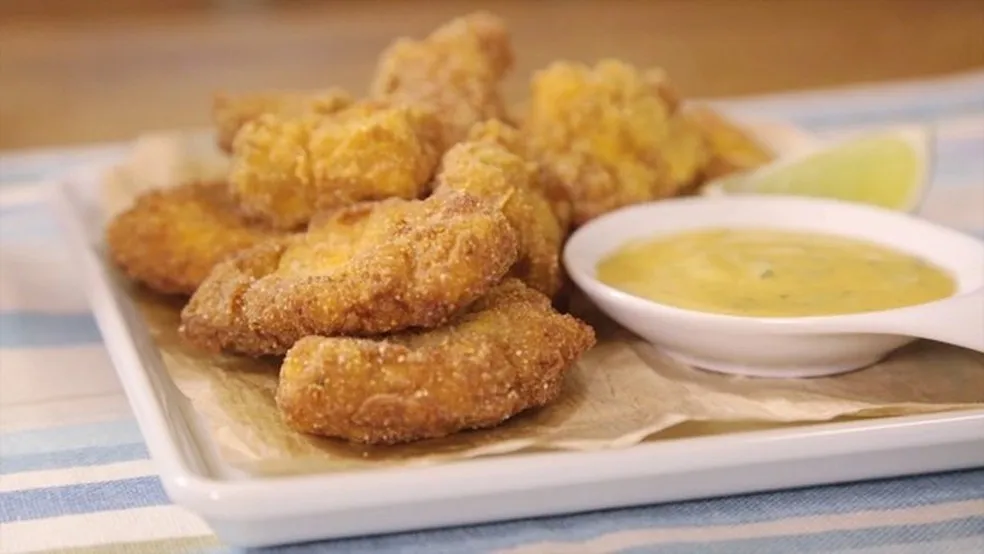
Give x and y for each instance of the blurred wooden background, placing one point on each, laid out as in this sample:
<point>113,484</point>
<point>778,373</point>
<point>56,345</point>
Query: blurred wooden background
<point>75,71</point>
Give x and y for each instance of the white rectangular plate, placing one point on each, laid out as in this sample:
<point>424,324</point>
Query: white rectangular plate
<point>246,511</point>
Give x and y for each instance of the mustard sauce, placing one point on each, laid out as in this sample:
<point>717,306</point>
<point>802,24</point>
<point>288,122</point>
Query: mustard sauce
<point>771,273</point>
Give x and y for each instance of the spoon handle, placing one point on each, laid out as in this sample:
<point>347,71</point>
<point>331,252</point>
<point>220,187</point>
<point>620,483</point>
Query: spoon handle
<point>958,320</point>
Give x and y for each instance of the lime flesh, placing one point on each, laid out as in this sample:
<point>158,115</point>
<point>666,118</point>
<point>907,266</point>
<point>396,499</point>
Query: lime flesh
<point>886,169</point>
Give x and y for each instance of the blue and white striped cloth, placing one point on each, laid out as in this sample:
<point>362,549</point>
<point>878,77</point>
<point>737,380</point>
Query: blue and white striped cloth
<point>74,473</point>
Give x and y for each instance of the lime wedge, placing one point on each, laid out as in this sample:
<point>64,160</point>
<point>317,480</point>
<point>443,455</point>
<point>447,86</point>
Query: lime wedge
<point>888,169</point>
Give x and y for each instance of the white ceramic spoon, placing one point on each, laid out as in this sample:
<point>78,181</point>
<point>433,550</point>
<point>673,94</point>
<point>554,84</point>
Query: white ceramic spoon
<point>795,346</point>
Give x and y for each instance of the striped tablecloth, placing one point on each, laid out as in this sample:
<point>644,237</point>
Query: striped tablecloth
<point>74,473</point>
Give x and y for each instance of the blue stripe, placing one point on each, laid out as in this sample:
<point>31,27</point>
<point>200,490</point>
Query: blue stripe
<point>976,233</point>
<point>887,494</point>
<point>967,89</point>
<point>43,163</point>
<point>34,330</point>
<point>952,546</point>
<point>28,221</point>
<point>833,541</point>
<point>926,113</point>
<point>69,437</point>
<point>956,536</point>
<point>26,174</point>
<point>76,457</point>
<point>86,498</point>
<point>960,161</point>
<point>33,204</point>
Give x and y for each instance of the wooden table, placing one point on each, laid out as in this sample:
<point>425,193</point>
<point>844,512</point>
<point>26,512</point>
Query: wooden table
<point>80,71</point>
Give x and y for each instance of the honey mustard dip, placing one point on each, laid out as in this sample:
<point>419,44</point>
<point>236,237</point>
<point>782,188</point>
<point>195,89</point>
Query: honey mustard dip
<point>771,273</point>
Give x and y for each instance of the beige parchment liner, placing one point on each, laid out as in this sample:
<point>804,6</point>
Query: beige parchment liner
<point>621,392</point>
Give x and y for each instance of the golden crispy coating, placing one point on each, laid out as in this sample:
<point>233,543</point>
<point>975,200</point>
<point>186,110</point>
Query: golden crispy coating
<point>231,111</point>
<point>213,319</point>
<point>731,147</point>
<point>171,238</point>
<point>489,171</point>
<point>684,154</point>
<point>284,170</point>
<point>507,354</point>
<point>412,264</point>
<point>368,269</point>
<point>660,83</point>
<point>497,131</point>
<point>609,134</point>
<point>511,138</point>
<point>455,72</point>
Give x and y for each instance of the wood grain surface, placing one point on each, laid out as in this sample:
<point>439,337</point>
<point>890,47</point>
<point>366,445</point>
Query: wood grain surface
<point>81,71</point>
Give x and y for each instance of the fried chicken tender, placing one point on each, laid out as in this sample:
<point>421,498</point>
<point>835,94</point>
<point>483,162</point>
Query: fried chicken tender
<point>731,147</point>
<point>455,72</point>
<point>511,138</point>
<point>170,239</point>
<point>684,154</point>
<point>611,134</point>
<point>507,354</point>
<point>497,131</point>
<point>214,320</point>
<point>363,270</point>
<point>231,111</point>
<point>284,170</point>
<point>489,171</point>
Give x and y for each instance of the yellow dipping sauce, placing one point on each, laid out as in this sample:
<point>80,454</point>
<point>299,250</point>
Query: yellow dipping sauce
<point>768,273</point>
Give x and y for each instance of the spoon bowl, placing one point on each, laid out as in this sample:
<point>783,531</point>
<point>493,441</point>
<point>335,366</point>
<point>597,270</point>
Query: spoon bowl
<point>780,347</point>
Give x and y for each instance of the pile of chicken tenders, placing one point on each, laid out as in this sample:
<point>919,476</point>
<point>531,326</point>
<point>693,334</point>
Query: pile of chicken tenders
<point>401,251</point>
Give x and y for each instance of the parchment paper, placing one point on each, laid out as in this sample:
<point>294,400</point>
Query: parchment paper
<point>621,392</point>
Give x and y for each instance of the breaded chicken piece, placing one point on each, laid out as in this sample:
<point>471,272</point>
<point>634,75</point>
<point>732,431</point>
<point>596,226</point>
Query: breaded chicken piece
<point>489,171</point>
<point>610,134</point>
<point>284,170</point>
<point>509,137</point>
<point>455,72</point>
<point>497,131</point>
<point>170,239</point>
<point>684,154</point>
<point>213,319</point>
<point>731,147</point>
<point>368,269</point>
<point>507,354</point>
<point>231,111</point>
